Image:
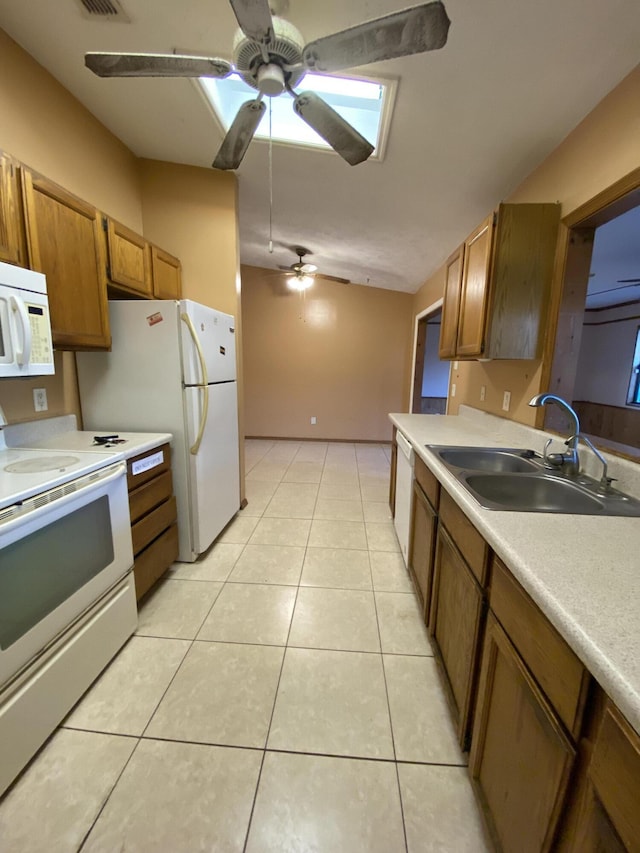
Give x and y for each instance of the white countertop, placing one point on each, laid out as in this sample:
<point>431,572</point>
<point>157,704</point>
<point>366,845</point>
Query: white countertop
<point>61,434</point>
<point>582,571</point>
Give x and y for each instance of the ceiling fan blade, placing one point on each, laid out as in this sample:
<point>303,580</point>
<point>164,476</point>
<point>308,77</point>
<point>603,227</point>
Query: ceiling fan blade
<point>254,19</point>
<point>239,135</point>
<point>326,122</point>
<point>155,65</point>
<point>333,278</point>
<point>404,33</point>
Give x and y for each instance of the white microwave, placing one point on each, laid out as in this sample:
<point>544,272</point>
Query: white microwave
<point>26,348</point>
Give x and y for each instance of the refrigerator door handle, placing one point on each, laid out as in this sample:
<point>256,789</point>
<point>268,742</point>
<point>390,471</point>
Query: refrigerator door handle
<point>205,379</point>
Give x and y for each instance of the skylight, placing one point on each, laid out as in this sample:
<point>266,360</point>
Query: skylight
<point>364,103</point>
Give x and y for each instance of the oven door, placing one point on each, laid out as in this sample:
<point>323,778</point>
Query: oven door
<point>59,552</point>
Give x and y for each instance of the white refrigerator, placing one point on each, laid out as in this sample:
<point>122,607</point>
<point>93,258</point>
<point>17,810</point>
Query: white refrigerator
<point>172,368</point>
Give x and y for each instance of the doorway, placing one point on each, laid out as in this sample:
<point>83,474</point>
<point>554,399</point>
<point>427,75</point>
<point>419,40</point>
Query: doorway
<point>598,319</point>
<point>430,381</point>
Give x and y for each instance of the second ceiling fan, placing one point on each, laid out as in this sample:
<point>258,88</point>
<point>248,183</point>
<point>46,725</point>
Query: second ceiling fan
<point>302,274</point>
<point>270,56</point>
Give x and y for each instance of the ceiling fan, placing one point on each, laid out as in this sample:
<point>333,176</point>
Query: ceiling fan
<point>302,274</point>
<point>270,55</point>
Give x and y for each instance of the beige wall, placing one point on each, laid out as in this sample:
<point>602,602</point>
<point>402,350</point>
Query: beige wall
<point>600,151</point>
<point>48,129</point>
<point>45,127</point>
<point>340,353</point>
<point>190,212</point>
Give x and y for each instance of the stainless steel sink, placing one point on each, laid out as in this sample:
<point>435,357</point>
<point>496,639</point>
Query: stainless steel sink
<point>537,493</point>
<point>517,480</point>
<point>487,458</point>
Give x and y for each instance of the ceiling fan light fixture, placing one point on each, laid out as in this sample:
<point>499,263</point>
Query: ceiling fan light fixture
<point>300,282</point>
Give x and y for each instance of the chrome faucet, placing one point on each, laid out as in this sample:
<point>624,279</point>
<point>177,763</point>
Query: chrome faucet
<point>568,462</point>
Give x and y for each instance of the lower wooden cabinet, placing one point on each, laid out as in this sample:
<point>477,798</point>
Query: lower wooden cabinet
<point>152,506</point>
<point>392,474</point>
<point>456,622</point>
<point>606,812</point>
<point>521,757</point>
<point>424,525</point>
<point>423,532</point>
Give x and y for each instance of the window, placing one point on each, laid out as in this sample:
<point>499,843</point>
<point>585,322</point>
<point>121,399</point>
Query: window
<point>364,103</point>
<point>634,386</point>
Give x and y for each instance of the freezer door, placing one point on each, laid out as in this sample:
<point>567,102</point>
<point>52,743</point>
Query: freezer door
<point>215,333</point>
<point>214,489</point>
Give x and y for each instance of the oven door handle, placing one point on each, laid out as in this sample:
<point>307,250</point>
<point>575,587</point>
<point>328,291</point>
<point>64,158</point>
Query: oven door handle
<point>33,508</point>
<point>23,355</point>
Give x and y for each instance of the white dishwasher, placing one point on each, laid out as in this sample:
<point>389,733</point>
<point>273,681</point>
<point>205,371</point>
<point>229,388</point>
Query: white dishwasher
<point>404,493</point>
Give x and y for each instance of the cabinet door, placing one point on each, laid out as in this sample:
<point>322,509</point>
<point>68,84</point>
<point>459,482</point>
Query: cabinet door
<point>614,773</point>
<point>475,290</point>
<point>520,757</point>
<point>65,243</point>
<point>129,258</point>
<point>12,239</point>
<point>456,617</point>
<point>392,474</point>
<point>451,305</point>
<point>424,525</point>
<point>167,275</point>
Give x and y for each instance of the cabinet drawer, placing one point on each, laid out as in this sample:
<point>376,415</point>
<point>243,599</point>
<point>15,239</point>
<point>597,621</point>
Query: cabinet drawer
<point>615,773</point>
<point>553,664</point>
<point>152,525</point>
<point>429,483</point>
<point>470,543</point>
<point>147,465</point>
<point>155,560</point>
<point>143,499</point>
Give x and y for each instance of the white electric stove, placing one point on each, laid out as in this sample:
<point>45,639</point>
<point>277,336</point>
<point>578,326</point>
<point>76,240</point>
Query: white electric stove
<point>28,472</point>
<point>67,597</point>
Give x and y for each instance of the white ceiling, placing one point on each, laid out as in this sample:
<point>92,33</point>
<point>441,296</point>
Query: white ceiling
<point>615,262</point>
<point>470,121</point>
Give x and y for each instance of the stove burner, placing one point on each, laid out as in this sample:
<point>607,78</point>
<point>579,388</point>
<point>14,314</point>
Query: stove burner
<point>41,463</point>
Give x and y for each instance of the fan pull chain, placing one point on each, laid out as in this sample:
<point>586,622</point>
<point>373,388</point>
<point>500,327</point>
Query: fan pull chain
<point>270,182</point>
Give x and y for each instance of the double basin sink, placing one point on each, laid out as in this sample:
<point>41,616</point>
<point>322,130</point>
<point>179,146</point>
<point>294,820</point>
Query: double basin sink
<point>517,480</point>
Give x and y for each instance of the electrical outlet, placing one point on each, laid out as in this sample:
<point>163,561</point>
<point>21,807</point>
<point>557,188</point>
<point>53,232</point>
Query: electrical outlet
<point>483,393</point>
<point>453,389</point>
<point>40,399</point>
<point>506,401</point>
<point>455,365</point>
<point>314,420</point>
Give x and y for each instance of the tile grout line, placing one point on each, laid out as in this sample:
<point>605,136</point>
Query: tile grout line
<point>275,698</point>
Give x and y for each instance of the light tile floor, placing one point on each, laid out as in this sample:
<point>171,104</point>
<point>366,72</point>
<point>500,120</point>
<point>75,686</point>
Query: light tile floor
<point>279,695</point>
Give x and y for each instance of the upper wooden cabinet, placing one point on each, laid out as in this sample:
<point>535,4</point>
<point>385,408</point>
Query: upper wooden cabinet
<point>497,284</point>
<point>135,267</point>
<point>128,260</point>
<point>451,305</point>
<point>64,238</point>
<point>12,237</point>
<point>167,275</point>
